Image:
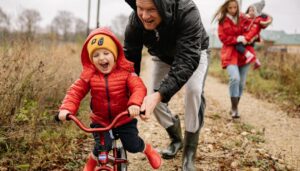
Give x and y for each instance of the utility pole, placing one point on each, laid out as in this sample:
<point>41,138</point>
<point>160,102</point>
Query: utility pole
<point>88,19</point>
<point>98,14</point>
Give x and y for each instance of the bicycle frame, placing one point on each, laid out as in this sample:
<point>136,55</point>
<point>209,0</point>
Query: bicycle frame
<point>103,158</point>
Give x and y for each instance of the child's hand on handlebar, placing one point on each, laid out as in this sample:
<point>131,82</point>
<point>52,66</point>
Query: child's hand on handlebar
<point>134,110</point>
<point>63,114</point>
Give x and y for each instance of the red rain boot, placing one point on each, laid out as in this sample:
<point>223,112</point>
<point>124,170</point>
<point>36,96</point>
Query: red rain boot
<point>91,163</point>
<point>249,56</point>
<point>257,64</point>
<point>152,156</point>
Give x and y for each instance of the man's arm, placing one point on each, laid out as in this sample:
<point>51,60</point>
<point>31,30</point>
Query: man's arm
<point>133,43</point>
<point>188,44</point>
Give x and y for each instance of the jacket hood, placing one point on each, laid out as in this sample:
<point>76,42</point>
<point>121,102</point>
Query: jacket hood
<point>258,7</point>
<point>88,67</point>
<point>166,9</point>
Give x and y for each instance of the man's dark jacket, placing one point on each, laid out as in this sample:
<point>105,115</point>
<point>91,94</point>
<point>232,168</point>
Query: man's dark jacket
<point>177,41</point>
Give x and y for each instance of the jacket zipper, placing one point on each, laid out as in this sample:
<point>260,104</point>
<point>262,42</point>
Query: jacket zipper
<point>156,35</point>
<point>108,97</point>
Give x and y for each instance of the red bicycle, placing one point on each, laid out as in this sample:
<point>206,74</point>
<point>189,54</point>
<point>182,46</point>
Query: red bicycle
<point>114,160</point>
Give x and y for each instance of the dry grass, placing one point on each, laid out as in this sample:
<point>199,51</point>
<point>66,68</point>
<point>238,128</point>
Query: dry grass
<point>37,71</point>
<point>281,75</point>
<point>277,80</point>
<point>34,77</point>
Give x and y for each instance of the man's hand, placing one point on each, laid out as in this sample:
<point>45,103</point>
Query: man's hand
<point>134,110</point>
<point>149,104</point>
<point>63,114</point>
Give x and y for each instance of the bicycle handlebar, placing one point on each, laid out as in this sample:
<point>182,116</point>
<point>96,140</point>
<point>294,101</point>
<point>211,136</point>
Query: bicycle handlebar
<point>91,130</point>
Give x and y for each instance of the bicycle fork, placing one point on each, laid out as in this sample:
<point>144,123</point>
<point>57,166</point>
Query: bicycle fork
<point>104,158</point>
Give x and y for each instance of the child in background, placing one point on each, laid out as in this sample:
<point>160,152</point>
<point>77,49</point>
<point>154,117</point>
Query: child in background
<point>114,88</point>
<point>254,21</point>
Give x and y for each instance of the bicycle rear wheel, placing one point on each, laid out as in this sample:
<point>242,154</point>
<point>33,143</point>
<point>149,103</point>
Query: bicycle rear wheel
<point>121,153</point>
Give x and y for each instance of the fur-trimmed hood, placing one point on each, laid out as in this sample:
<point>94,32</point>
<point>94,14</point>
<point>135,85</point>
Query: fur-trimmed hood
<point>258,7</point>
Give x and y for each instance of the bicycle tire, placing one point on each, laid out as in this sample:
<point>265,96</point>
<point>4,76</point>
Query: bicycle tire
<point>121,153</point>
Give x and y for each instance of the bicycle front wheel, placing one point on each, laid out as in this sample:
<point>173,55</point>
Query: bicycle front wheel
<point>121,153</point>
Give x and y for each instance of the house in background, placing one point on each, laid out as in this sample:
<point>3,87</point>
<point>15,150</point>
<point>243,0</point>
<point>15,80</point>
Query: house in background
<point>279,41</point>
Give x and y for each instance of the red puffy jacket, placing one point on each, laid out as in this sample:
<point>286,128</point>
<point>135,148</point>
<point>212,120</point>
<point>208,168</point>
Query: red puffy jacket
<point>111,94</point>
<point>253,26</point>
<point>228,32</point>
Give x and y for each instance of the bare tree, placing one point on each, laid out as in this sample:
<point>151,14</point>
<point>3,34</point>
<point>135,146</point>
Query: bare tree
<point>63,23</point>
<point>80,29</point>
<point>4,27</point>
<point>80,26</point>
<point>28,20</point>
<point>4,20</point>
<point>118,25</point>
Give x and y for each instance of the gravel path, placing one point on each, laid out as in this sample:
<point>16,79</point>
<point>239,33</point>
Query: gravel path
<point>282,133</point>
<point>222,146</point>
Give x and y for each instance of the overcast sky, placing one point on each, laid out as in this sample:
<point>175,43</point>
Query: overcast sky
<point>286,13</point>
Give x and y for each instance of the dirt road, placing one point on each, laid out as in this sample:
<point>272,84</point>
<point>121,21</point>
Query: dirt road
<point>263,139</point>
<point>282,133</point>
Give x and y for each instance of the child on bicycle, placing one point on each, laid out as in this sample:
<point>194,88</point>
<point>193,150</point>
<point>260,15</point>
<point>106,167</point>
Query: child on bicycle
<point>114,88</point>
<point>254,21</point>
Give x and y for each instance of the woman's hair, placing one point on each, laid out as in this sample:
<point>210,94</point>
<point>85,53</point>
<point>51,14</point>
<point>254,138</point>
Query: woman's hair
<point>221,13</point>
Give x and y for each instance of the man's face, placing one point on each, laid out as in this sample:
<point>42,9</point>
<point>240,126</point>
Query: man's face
<point>148,14</point>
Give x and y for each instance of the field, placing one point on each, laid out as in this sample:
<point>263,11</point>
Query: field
<point>277,80</point>
<point>35,76</point>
